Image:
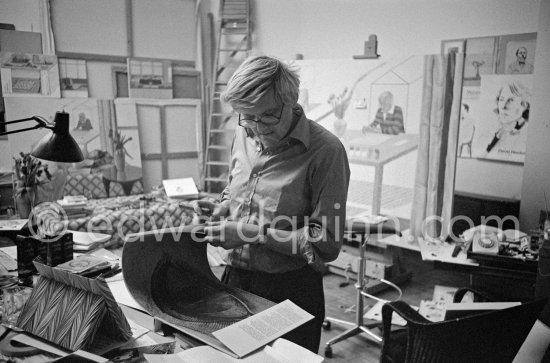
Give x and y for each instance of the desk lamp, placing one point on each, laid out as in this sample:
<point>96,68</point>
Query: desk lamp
<point>57,146</point>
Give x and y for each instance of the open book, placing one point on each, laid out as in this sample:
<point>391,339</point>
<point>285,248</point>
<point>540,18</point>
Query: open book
<point>183,188</point>
<point>280,351</point>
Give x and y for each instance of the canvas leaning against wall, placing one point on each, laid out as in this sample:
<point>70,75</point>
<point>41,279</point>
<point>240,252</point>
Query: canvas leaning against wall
<point>25,74</point>
<point>344,95</point>
<point>150,78</point>
<point>74,77</point>
<point>373,106</point>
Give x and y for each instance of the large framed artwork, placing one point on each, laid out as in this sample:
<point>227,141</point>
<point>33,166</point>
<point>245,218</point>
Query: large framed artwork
<point>74,77</point>
<point>150,78</point>
<point>496,96</point>
<point>25,74</point>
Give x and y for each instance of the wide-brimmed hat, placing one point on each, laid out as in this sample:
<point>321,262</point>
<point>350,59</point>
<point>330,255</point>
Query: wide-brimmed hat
<point>167,273</point>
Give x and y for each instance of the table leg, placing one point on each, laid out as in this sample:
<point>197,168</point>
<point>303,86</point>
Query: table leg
<point>106,185</point>
<point>377,192</point>
<point>127,186</point>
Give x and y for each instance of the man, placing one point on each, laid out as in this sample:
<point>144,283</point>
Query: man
<point>285,201</point>
<point>389,118</point>
<point>520,66</point>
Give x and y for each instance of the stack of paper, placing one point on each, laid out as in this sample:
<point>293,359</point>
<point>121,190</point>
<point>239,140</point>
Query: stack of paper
<point>75,206</point>
<point>87,241</point>
<point>89,266</point>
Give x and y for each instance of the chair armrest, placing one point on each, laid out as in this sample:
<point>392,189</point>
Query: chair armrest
<point>478,295</point>
<point>404,310</point>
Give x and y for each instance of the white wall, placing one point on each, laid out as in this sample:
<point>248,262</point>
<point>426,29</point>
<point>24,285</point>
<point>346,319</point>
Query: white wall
<point>338,28</point>
<point>22,13</point>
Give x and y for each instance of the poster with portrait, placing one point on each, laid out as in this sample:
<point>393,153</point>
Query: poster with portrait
<point>500,131</point>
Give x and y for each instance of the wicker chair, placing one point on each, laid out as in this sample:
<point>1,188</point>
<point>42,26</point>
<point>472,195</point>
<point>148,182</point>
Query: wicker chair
<point>494,336</point>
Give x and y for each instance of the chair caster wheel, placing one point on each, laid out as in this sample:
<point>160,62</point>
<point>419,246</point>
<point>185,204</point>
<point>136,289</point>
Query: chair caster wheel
<point>328,352</point>
<point>326,325</point>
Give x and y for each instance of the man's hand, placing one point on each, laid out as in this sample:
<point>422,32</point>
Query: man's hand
<point>231,234</point>
<point>214,210</point>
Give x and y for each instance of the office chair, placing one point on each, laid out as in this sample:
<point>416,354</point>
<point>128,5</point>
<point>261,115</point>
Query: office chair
<point>494,336</point>
<point>363,229</point>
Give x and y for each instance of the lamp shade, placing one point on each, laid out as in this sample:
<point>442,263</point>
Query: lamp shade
<point>59,145</point>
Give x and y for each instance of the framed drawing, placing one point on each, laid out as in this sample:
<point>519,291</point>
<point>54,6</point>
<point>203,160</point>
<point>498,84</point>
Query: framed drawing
<point>516,54</point>
<point>480,57</point>
<point>496,69</point>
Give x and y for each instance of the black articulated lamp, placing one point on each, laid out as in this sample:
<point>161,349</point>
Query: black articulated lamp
<point>59,145</point>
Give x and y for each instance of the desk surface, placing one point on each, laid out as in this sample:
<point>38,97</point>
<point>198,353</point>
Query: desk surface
<point>441,252</point>
<point>389,147</point>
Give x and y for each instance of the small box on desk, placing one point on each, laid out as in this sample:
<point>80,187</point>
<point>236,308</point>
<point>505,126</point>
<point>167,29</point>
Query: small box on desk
<point>52,250</point>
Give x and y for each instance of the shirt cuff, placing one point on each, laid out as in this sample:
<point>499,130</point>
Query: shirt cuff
<point>307,251</point>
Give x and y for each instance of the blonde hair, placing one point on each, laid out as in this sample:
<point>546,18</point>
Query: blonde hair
<point>256,76</point>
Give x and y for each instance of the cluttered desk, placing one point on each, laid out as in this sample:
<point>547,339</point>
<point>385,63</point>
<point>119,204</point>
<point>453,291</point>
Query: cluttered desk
<point>86,305</point>
<point>502,263</point>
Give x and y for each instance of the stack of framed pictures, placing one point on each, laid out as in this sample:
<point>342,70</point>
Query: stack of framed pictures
<point>495,96</point>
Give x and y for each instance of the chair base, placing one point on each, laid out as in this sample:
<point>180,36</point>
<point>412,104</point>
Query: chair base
<point>355,330</point>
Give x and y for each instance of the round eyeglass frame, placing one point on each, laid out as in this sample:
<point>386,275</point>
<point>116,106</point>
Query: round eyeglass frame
<point>249,122</point>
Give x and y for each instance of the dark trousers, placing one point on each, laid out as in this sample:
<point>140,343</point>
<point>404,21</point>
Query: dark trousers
<point>304,287</point>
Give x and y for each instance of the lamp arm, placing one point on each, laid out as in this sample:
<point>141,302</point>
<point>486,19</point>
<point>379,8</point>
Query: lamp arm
<point>40,123</point>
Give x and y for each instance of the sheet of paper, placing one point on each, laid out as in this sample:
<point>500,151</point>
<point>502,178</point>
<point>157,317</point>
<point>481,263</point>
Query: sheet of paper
<point>294,351</point>
<point>208,354</point>
<point>443,251</point>
<point>122,295</point>
<point>375,313</point>
<point>12,224</point>
<point>258,330</point>
<point>6,260</point>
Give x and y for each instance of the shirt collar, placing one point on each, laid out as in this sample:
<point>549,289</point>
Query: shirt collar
<point>301,131</point>
<point>391,110</point>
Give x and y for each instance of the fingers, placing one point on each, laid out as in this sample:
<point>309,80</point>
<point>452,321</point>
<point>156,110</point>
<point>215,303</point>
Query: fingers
<point>203,207</point>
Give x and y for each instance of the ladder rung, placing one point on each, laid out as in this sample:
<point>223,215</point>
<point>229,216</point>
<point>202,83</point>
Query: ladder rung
<point>212,179</point>
<point>234,31</point>
<point>233,50</point>
<point>217,114</point>
<point>218,163</point>
<point>221,131</point>
<point>221,83</point>
<point>218,147</point>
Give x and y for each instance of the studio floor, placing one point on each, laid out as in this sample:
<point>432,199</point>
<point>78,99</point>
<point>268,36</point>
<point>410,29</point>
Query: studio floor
<point>338,301</point>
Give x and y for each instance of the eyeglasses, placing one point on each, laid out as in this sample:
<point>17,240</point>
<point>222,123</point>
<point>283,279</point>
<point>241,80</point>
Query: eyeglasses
<point>257,122</point>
